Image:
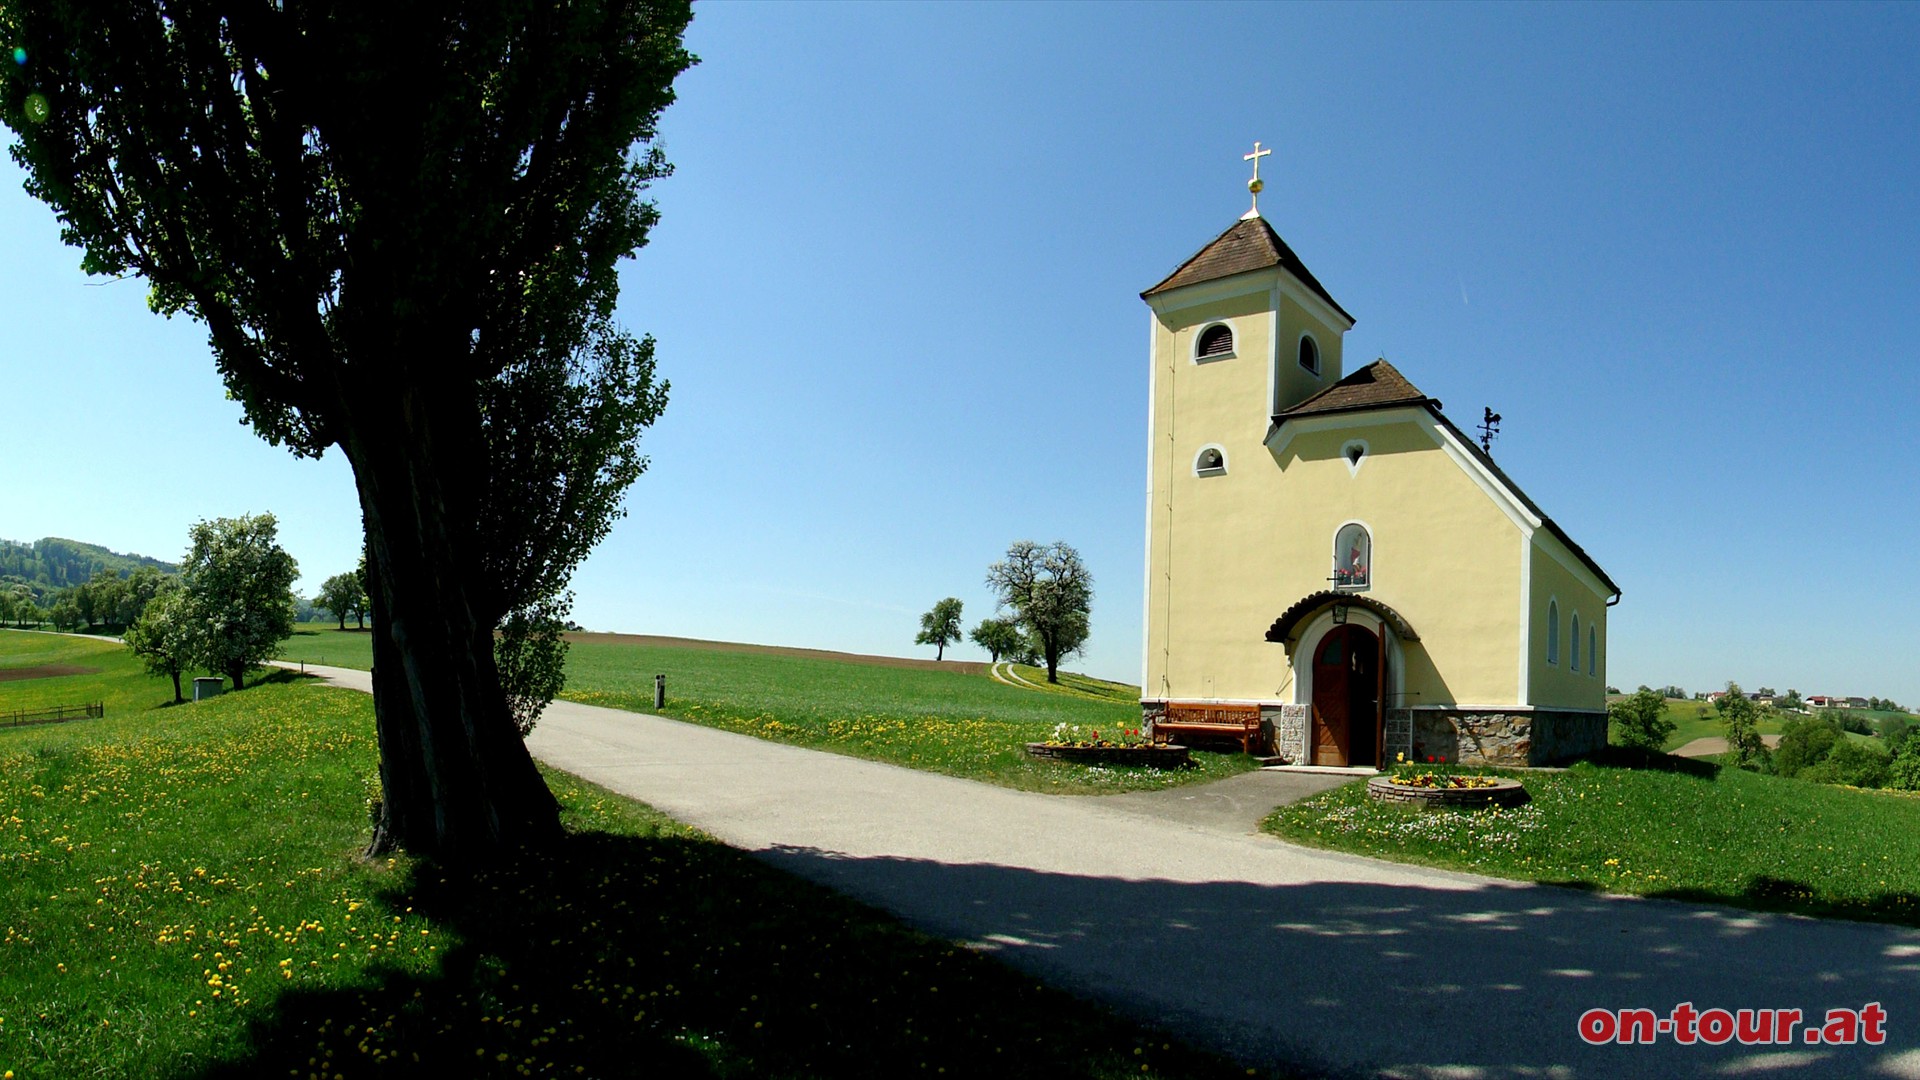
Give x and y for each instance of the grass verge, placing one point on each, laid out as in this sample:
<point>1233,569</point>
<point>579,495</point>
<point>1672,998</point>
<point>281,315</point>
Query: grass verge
<point>181,897</point>
<point>942,721</point>
<point>962,725</point>
<point>1687,830</point>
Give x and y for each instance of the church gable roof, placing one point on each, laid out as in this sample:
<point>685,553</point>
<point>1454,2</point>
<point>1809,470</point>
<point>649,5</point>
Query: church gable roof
<point>1250,245</point>
<point>1379,385</point>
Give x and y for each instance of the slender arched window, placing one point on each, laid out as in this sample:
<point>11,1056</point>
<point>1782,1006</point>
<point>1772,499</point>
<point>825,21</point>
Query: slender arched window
<point>1553,631</point>
<point>1352,557</point>
<point>1309,355</point>
<point>1215,341</point>
<point>1211,461</point>
<point>1573,646</point>
<point>1593,648</point>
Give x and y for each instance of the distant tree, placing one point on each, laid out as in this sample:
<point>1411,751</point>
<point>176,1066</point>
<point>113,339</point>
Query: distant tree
<point>27,613</point>
<point>1791,701</point>
<point>141,587</point>
<point>1615,689</point>
<point>65,611</point>
<point>940,627</point>
<point>82,597</point>
<point>1805,741</point>
<point>107,590</point>
<point>1765,691</point>
<point>6,606</point>
<point>161,637</point>
<point>1640,721</point>
<point>1051,594</point>
<point>239,593</point>
<point>1849,720</point>
<point>342,595</point>
<point>1739,720</point>
<point>1894,732</point>
<point>1000,637</point>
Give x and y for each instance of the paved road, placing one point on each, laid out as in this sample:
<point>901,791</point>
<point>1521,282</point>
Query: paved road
<point>1175,911</point>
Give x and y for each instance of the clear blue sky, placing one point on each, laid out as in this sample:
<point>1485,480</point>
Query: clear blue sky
<point>895,289</point>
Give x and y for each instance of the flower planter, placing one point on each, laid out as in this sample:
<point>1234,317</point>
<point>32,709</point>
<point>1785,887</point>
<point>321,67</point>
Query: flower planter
<point>1503,792</point>
<point>1167,756</point>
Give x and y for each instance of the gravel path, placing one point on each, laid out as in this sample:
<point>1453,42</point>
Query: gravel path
<point>1169,907</point>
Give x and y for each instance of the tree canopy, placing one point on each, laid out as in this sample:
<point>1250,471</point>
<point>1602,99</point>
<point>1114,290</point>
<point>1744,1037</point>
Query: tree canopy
<point>237,586</point>
<point>941,627</point>
<point>1051,594</point>
<point>400,225</point>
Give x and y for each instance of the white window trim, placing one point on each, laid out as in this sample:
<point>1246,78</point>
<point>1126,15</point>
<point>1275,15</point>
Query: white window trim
<point>1233,343</point>
<point>1373,573</point>
<point>1353,467</point>
<point>1202,452</point>
<point>1319,355</point>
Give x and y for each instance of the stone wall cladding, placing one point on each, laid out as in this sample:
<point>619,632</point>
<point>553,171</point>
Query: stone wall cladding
<point>1519,738</point>
<point>1289,732</point>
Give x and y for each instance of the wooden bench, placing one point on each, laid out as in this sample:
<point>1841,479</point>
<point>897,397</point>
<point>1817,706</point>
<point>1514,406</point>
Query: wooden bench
<point>1241,723</point>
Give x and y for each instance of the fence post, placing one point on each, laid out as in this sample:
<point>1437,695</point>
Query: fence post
<point>659,691</point>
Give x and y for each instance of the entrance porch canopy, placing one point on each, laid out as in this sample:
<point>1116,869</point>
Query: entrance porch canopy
<point>1307,606</point>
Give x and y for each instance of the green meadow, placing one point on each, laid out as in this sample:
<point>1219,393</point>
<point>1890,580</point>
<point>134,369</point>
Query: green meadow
<point>1682,829</point>
<point>182,896</point>
<point>954,722</point>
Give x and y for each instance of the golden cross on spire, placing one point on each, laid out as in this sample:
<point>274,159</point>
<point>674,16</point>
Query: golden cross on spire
<point>1254,185</point>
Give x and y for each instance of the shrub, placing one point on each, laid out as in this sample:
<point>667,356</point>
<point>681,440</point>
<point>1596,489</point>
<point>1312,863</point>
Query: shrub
<point>1904,773</point>
<point>1894,731</point>
<point>1855,764</point>
<point>1853,722</point>
<point>1805,742</point>
<point>1640,721</point>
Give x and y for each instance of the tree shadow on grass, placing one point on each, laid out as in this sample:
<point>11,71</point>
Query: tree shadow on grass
<point>617,955</point>
<point>1622,757</point>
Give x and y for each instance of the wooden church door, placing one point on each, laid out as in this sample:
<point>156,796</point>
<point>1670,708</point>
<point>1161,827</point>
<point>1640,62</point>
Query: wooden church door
<point>1346,697</point>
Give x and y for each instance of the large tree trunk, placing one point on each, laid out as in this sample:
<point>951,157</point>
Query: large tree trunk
<point>456,779</point>
<point>177,699</point>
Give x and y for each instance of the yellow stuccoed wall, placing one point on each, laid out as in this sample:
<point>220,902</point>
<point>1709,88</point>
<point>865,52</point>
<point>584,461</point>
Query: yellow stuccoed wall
<point>1246,545</point>
<point>1557,684</point>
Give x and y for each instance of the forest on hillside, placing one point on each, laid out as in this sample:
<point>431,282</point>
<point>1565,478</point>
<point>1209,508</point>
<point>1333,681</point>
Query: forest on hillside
<point>52,564</point>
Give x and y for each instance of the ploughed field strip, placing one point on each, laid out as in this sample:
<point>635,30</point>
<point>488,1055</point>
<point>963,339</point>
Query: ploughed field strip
<point>44,671</point>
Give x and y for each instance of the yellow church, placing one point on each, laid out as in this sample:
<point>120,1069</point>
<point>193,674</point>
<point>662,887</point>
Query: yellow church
<point>1335,571</point>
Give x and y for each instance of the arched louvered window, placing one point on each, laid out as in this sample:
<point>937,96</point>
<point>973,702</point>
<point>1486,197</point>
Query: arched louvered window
<point>1215,341</point>
<point>1553,631</point>
<point>1211,461</point>
<point>1309,355</point>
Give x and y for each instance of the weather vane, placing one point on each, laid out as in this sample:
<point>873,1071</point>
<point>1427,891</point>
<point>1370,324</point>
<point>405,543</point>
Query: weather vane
<point>1489,429</point>
<point>1254,185</point>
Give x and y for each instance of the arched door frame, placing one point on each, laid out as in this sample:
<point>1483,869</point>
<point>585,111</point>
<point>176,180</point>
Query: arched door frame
<point>1316,631</point>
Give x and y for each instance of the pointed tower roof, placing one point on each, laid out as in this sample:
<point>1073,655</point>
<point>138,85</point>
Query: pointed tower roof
<point>1250,245</point>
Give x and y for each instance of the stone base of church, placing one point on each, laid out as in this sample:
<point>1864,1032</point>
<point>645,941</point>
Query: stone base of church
<point>1500,737</point>
<point>1482,736</point>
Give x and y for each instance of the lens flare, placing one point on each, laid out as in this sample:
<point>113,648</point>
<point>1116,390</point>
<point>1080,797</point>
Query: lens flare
<point>19,56</point>
<point>37,108</point>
